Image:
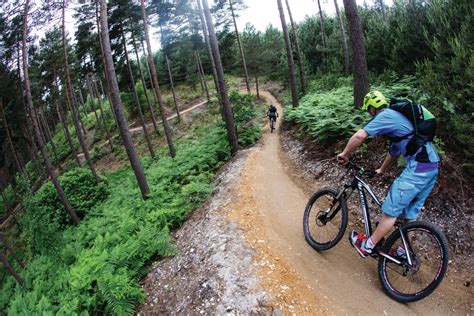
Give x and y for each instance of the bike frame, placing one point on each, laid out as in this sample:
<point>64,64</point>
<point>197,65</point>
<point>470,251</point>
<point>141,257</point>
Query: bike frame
<point>363,188</point>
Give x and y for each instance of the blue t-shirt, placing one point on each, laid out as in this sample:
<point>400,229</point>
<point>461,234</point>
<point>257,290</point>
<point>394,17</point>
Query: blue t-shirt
<point>394,124</point>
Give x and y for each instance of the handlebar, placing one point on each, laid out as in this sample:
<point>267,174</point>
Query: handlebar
<point>360,170</point>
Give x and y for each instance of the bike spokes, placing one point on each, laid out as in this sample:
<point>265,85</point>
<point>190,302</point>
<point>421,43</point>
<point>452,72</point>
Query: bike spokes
<point>422,261</point>
<point>325,221</point>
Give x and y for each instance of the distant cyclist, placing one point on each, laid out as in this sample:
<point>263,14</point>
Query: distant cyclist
<point>272,112</point>
<point>410,190</point>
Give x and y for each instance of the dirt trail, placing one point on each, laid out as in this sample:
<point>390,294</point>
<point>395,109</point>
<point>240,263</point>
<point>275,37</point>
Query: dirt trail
<point>300,280</point>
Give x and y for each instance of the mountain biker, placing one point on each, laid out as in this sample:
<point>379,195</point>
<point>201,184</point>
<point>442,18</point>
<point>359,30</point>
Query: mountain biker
<point>272,112</point>
<point>410,189</point>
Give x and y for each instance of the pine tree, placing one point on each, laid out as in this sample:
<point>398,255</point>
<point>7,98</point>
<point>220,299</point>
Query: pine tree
<point>227,110</point>
<point>289,55</point>
<point>298,50</point>
<point>359,62</point>
<point>156,84</point>
<point>117,102</point>
<point>34,121</point>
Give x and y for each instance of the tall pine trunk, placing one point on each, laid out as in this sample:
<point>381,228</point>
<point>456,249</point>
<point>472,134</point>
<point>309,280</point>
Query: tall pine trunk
<point>343,35</point>
<point>9,247</point>
<point>47,137</point>
<point>156,83</point>
<point>323,30</point>
<point>10,269</point>
<point>70,96</point>
<point>227,110</point>
<point>9,137</point>
<point>201,68</point>
<point>137,99</point>
<point>242,55</point>
<point>102,113</point>
<point>359,62</point>
<point>101,44</point>
<point>201,74</point>
<point>209,49</point>
<point>172,87</point>
<point>298,50</point>
<point>63,120</point>
<point>145,90</point>
<point>117,102</point>
<point>149,74</point>
<point>34,121</point>
<point>289,55</point>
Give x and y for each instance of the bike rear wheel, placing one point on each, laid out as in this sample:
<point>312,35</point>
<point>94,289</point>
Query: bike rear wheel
<point>429,253</point>
<point>325,219</point>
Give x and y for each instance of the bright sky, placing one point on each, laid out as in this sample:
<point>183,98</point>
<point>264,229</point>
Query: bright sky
<point>261,13</point>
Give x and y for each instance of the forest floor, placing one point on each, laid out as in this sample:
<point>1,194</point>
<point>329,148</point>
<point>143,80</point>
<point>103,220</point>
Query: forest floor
<point>244,252</point>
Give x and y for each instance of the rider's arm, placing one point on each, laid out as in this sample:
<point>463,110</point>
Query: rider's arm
<point>352,144</point>
<point>389,159</point>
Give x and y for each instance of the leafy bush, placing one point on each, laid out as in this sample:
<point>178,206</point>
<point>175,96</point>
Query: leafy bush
<point>95,267</point>
<point>244,108</point>
<point>46,214</point>
<point>327,116</point>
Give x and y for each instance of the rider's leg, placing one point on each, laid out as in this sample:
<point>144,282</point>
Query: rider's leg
<point>386,223</point>
<point>406,197</point>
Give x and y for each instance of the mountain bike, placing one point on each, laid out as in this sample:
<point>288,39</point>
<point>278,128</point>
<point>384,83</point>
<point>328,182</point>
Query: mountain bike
<point>272,123</point>
<point>412,261</point>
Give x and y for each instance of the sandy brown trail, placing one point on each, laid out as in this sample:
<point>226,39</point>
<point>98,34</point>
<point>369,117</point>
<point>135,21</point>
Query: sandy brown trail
<point>299,279</point>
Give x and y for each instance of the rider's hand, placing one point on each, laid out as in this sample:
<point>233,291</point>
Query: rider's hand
<point>342,159</point>
<point>379,171</point>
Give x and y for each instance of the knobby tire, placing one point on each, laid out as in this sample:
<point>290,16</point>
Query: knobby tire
<point>313,227</point>
<point>434,248</point>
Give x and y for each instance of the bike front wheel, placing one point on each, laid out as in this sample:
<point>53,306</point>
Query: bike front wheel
<point>325,219</point>
<point>428,249</point>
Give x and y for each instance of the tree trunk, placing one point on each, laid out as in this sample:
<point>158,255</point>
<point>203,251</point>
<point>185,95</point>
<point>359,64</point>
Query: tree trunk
<point>359,62</point>
<point>342,31</point>
<point>145,90</point>
<point>49,134</point>
<point>9,138</point>
<point>298,50</point>
<point>117,102</point>
<point>101,44</point>
<point>34,121</point>
<point>172,87</point>
<point>209,50</point>
<point>156,83</point>
<point>323,30</point>
<point>63,120</point>
<point>149,73</point>
<point>69,93</point>
<point>10,269</point>
<point>256,86</point>
<point>102,114</point>
<point>47,137</point>
<point>137,99</point>
<point>201,74</point>
<point>93,95</point>
<point>289,55</point>
<point>201,81</point>
<point>227,110</point>
<point>9,247</point>
<point>242,56</point>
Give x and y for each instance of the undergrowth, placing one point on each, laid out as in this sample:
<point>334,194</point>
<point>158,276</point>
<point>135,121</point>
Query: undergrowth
<point>94,268</point>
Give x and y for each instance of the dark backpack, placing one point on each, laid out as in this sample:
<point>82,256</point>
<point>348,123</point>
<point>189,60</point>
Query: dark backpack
<point>423,121</point>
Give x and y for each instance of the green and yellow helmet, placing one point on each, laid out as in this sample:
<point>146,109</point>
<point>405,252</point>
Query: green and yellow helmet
<point>375,99</point>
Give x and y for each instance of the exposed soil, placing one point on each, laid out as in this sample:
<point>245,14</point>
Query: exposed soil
<point>244,252</point>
